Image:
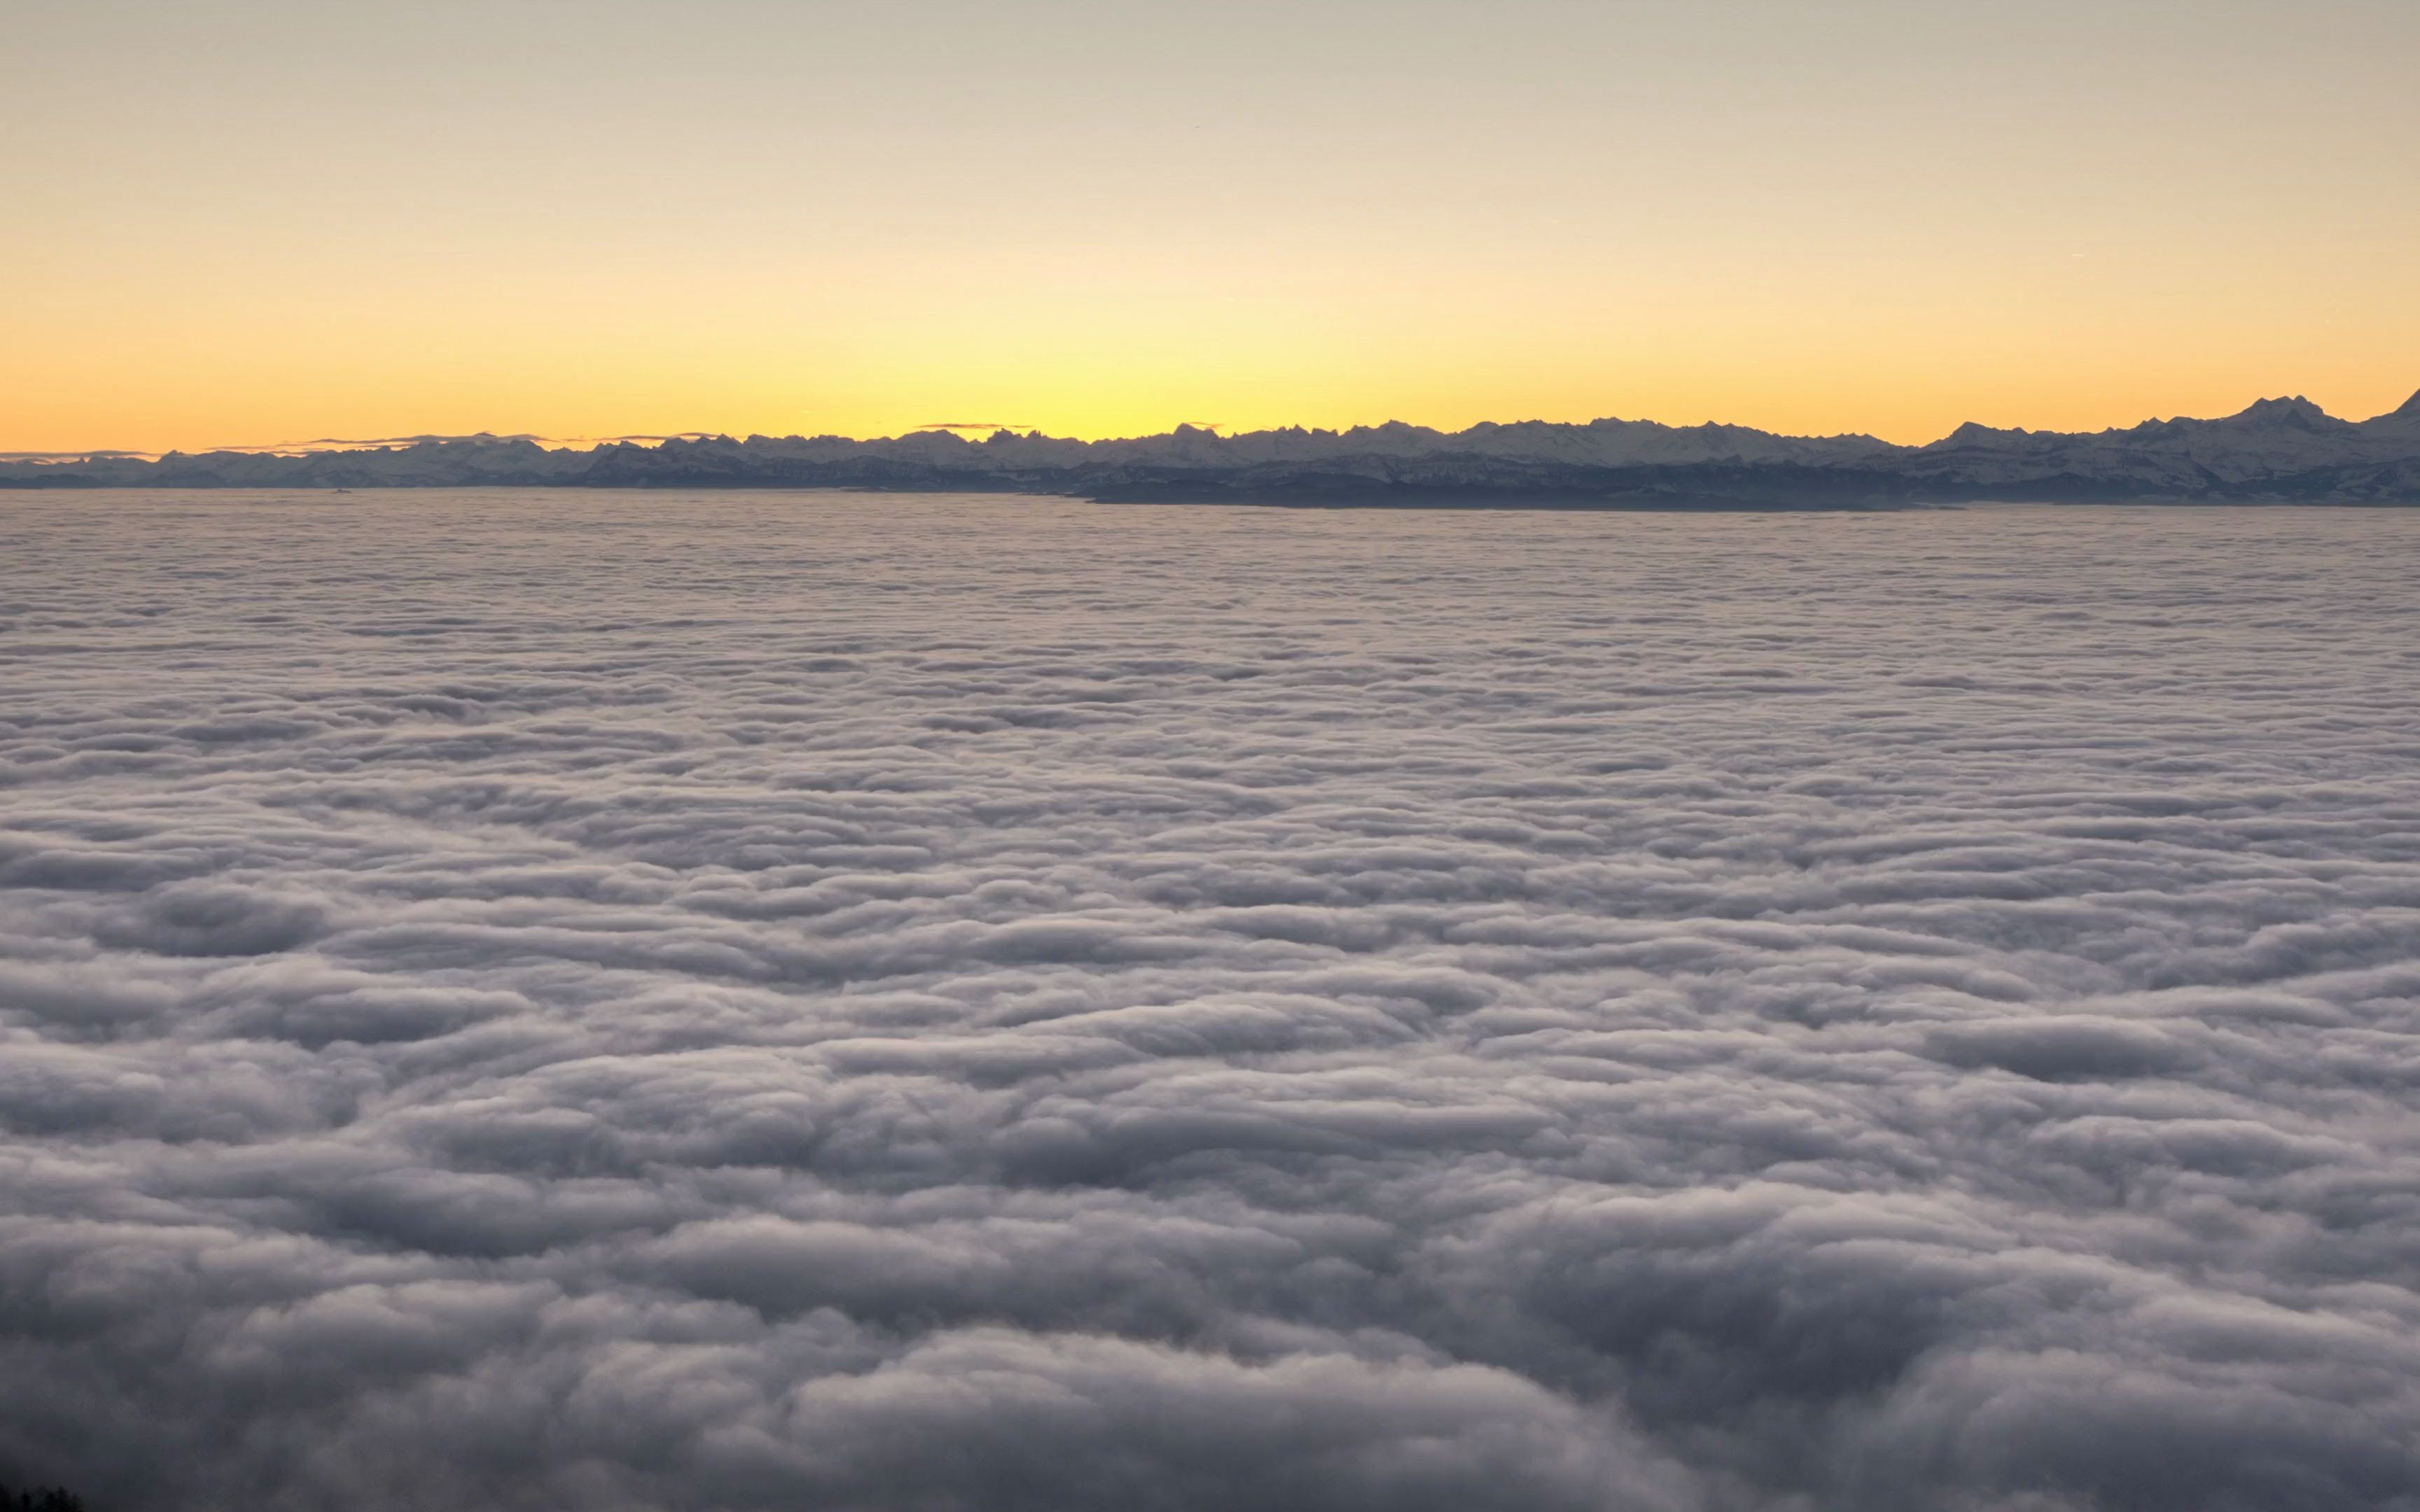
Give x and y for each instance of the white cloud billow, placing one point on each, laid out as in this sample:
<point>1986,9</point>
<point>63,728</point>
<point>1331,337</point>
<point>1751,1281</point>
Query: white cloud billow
<point>774,1001</point>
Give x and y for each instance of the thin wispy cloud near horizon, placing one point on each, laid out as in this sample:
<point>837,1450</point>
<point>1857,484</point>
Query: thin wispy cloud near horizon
<point>1872,216</point>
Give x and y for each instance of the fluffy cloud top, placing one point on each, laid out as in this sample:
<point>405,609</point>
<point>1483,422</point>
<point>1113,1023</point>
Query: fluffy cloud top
<point>752,1002</point>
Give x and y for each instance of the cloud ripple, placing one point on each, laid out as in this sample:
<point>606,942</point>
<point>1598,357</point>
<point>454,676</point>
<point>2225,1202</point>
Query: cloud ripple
<point>761,1001</point>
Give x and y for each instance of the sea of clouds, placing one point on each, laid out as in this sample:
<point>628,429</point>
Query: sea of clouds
<point>922,1004</point>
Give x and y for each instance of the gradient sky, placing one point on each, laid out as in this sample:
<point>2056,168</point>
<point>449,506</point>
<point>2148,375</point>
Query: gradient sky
<point>260,221</point>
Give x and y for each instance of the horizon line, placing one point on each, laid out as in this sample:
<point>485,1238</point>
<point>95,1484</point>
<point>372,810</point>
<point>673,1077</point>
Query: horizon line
<point>1212,429</point>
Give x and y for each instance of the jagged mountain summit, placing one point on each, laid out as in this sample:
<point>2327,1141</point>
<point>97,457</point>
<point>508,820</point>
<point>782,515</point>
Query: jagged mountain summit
<point>2284,450</point>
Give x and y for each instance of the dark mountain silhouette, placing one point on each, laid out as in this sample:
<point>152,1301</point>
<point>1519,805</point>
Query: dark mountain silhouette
<point>2282,450</point>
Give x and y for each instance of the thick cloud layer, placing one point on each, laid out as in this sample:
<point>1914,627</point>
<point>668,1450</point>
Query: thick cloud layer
<point>752,1002</point>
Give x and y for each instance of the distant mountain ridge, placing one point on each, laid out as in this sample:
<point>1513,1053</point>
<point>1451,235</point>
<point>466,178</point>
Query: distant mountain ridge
<point>2284,450</point>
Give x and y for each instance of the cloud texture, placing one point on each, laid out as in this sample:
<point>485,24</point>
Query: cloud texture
<point>835,1002</point>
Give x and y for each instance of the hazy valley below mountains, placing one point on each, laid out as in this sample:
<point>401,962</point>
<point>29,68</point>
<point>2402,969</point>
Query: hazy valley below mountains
<point>2284,450</point>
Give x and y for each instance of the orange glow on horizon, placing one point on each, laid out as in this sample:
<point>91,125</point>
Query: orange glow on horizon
<point>1885,218</point>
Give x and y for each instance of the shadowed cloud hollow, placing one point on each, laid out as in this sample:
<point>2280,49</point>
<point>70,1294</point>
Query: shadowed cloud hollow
<point>580,1000</point>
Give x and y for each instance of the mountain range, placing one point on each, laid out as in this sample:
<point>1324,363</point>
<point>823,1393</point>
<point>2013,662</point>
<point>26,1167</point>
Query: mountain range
<point>2284,450</point>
